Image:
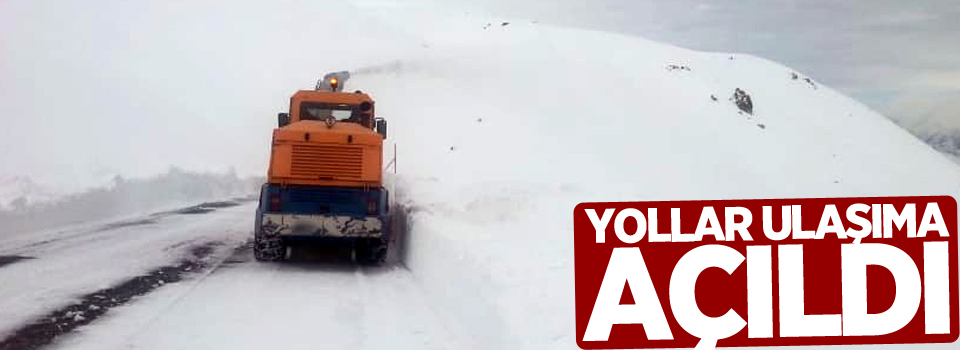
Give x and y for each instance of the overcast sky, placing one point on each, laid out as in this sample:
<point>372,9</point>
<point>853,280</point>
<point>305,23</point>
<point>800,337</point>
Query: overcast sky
<point>93,88</point>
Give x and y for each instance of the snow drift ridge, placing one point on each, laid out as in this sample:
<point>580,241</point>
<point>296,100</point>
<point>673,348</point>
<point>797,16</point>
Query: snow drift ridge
<point>126,197</point>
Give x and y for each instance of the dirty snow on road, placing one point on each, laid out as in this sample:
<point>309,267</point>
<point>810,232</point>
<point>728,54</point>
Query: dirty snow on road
<point>61,265</point>
<point>248,305</point>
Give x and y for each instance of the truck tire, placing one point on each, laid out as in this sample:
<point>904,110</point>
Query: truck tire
<point>371,251</point>
<point>268,249</point>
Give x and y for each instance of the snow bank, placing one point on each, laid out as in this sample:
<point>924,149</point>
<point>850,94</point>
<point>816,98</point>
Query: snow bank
<point>124,197</point>
<point>502,130</point>
<point>18,192</point>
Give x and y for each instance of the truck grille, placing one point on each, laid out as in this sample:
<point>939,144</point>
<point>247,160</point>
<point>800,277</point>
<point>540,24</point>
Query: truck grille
<point>327,162</point>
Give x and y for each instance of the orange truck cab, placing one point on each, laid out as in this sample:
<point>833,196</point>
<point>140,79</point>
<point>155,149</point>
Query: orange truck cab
<point>324,182</point>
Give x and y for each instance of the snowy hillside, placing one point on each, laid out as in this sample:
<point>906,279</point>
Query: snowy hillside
<point>524,121</point>
<point>526,102</point>
<point>502,127</point>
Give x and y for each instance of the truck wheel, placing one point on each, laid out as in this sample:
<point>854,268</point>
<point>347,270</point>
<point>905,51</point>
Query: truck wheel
<point>268,248</point>
<point>371,251</point>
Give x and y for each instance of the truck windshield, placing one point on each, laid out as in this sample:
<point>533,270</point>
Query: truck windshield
<point>314,111</point>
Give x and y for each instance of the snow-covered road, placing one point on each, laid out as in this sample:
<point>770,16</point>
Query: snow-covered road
<point>236,302</point>
<point>244,304</point>
<point>60,266</point>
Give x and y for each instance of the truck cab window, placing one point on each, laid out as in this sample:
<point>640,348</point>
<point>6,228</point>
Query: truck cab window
<point>321,112</point>
<point>317,113</point>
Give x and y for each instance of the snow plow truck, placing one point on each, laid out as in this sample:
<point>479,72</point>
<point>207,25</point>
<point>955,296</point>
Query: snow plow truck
<point>324,182</point>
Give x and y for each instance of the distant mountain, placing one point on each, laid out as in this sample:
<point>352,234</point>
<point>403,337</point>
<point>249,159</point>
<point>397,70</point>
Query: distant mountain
<point>945,141</point>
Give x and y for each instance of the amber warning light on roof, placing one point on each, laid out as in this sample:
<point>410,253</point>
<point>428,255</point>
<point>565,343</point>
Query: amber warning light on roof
<point>772,272</point>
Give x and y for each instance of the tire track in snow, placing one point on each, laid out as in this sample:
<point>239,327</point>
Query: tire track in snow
<point>363,302</point>
<point>438,333</point>
<point>301,301</point>
<point>10,259</point>
<point>202,275</point>
<point>92,306</point>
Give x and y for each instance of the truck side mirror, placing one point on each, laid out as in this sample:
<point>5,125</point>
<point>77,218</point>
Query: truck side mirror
<point>283,119</point>
<point>382,127</point>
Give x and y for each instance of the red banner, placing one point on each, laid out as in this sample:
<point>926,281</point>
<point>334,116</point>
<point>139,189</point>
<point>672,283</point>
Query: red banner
<point>773,272</point>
